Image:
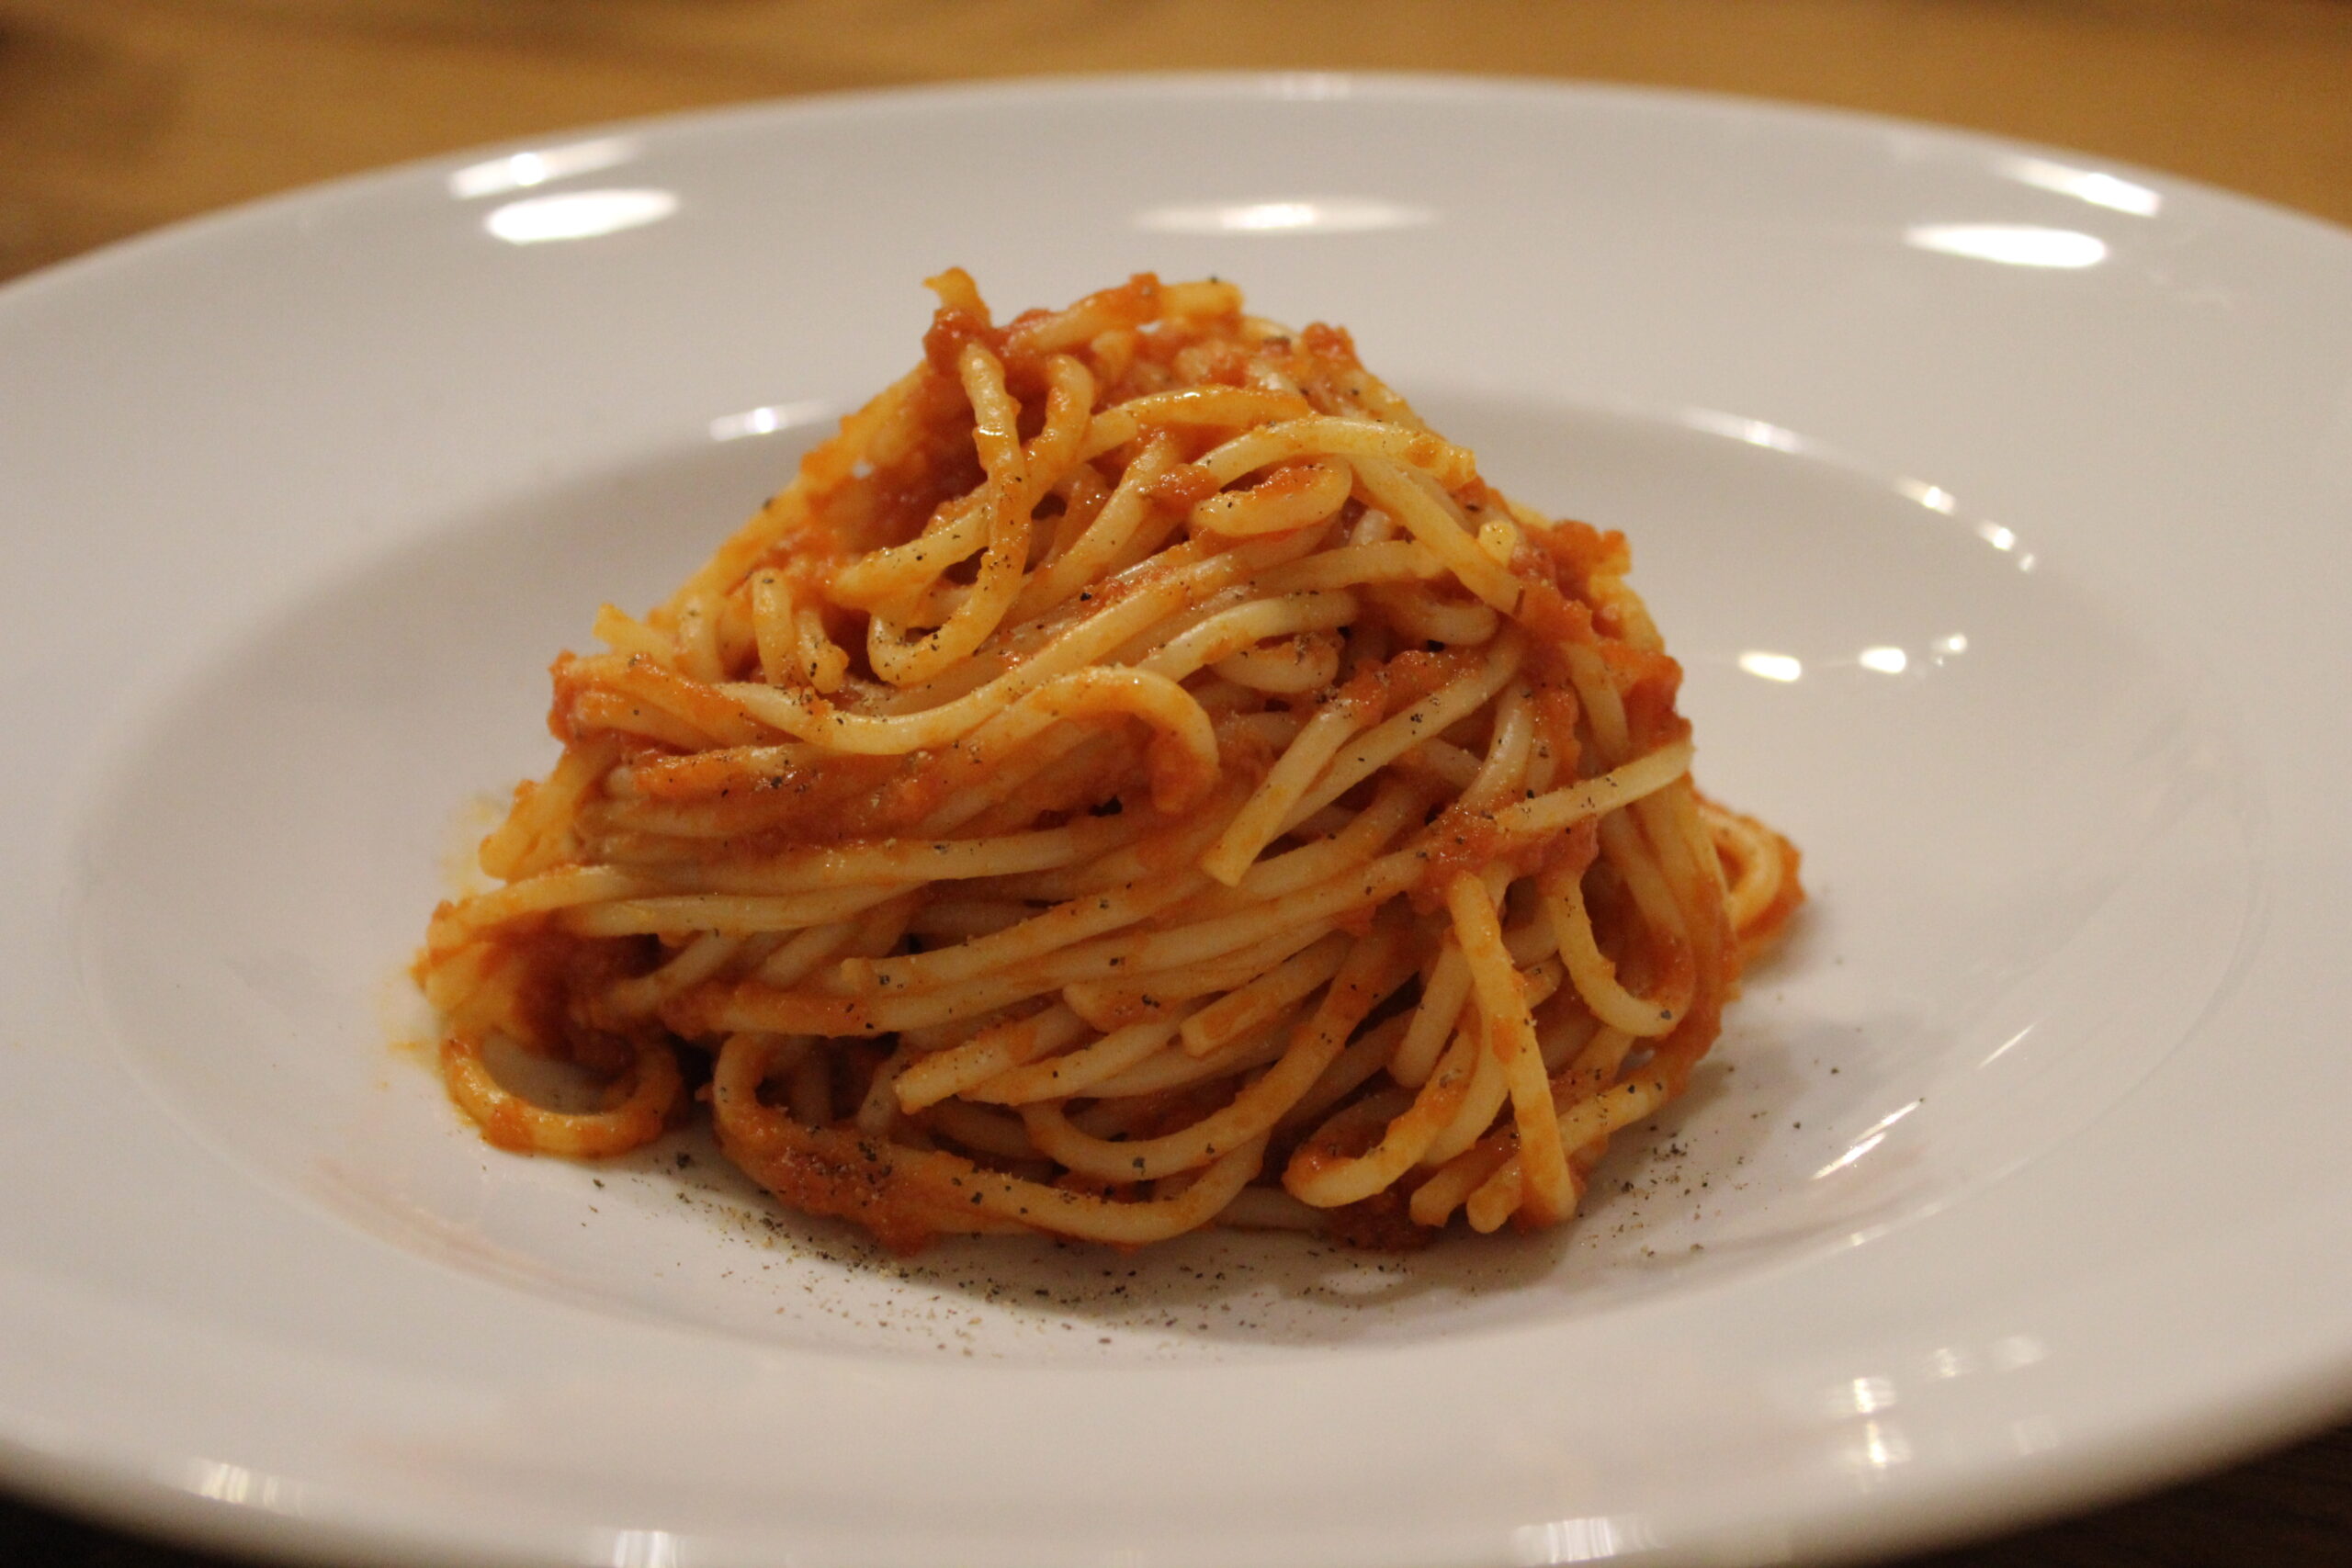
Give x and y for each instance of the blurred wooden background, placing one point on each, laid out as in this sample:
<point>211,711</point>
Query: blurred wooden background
<point>117,116</point>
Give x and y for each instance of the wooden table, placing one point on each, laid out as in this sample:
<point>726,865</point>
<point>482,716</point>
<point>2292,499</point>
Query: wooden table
<point>117,116</point>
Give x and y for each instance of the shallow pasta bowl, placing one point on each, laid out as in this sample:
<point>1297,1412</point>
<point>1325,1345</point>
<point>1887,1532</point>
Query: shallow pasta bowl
<point>1992,497</point>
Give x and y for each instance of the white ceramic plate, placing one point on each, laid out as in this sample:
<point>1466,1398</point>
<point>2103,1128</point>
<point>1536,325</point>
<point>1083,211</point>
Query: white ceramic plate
<point>1997,502</point>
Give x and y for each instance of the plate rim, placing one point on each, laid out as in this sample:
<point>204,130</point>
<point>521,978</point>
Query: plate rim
<point>983,92</point>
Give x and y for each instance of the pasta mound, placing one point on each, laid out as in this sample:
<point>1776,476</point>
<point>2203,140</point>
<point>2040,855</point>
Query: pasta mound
<point>1137,776</point>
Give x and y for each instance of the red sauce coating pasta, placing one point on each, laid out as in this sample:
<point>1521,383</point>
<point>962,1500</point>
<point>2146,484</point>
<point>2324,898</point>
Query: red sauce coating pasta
<point>1136,776</point>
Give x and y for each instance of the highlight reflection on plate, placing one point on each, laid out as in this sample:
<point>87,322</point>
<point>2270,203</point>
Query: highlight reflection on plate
<point>1894,421</point>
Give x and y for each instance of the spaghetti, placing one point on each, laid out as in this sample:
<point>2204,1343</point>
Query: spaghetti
<point>1137,776</point>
